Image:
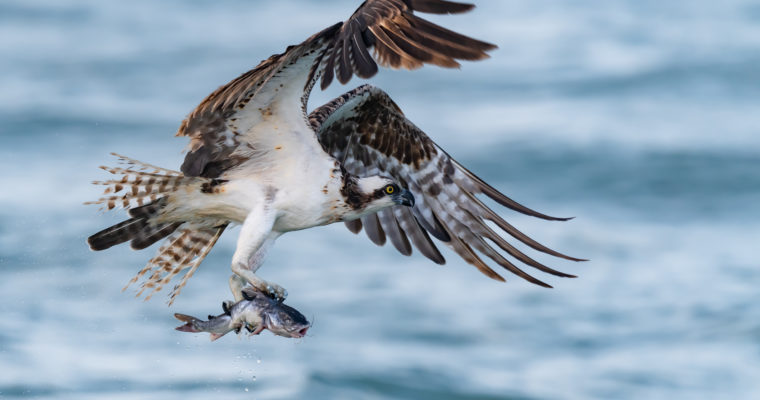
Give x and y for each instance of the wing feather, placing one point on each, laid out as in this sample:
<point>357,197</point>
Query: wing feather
<point>418,235</point>
<point>419,52</point>
<point>456,220</point>
<point>469,204</point>
<point>221,128</point>
<point>486,213</point>
<point>393,231</point>
<point>400,39</point>
<point>365,65</point>
<point>354,226</point>
<point>440,6</point>
<point>382,141</point>
<point>467,254</point>
<point>373,229</point>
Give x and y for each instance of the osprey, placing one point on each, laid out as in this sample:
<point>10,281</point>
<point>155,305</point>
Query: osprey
<point>256,158</point>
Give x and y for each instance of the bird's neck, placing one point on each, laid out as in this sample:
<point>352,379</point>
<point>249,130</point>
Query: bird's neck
<point>353,198</point>
<point>342,199</point>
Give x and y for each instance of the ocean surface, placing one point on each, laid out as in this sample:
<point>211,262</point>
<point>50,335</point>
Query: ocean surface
<point>641,118</point>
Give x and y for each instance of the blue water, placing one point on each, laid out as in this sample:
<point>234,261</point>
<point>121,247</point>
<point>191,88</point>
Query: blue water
<point>638,117</point>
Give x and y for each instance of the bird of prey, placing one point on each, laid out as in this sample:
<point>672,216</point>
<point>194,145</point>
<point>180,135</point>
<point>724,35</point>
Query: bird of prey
<point>257,158</point>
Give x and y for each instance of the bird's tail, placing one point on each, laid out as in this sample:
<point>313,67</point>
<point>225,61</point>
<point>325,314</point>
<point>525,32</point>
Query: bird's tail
<point>185,249</point>
<point>145,191</point>
<point>142,189</point>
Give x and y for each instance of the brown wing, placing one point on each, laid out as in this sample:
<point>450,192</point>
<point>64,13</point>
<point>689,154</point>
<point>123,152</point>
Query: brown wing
<point>368,131</point>
<point>219,128</point>
<point>400,39</point>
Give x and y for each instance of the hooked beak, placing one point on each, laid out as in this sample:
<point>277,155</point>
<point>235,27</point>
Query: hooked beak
<point>405,198</point>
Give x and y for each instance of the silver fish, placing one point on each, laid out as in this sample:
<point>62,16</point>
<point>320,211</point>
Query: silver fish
<point>255,313</point>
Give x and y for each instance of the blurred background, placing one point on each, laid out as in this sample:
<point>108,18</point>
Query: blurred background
<point>638,117</point>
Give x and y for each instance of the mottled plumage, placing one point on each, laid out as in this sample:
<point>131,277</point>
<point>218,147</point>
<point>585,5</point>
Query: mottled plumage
<point>257,159</point>
<point>370,133</point>
<point>218,127</point>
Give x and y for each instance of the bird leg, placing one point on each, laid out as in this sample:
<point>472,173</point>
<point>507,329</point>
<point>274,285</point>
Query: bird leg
<point>256,237</point>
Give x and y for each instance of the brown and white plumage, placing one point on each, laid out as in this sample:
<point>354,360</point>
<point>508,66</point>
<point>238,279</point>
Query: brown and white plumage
<point>144,190</point>
<point>218,127</point>
<point>370,133</point>
<point>256,158</point>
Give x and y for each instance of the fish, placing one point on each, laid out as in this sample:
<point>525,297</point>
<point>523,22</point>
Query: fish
<point>256,312</point>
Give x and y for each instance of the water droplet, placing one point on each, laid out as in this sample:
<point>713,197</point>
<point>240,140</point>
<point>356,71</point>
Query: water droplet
<point>246,389</point>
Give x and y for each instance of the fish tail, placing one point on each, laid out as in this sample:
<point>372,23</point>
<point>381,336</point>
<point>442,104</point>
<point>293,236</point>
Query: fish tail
<point>190,323</point>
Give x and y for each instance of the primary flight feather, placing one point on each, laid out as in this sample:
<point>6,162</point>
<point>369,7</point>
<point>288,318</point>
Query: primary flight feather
<point>257,158</point>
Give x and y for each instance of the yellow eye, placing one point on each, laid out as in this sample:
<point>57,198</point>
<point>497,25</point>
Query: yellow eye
<point>390,189</point>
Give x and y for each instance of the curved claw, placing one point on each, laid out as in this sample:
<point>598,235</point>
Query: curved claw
<point>271,290</point>
<point>276,292</point>
<point>248,296</point>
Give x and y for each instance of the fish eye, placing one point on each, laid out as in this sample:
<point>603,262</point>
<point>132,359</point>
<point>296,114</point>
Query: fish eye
<point>390,189</point>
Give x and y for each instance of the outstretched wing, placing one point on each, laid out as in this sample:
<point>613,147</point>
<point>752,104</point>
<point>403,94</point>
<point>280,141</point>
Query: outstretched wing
<point>400,39</point>
<point>221,128</point>
<point>368,131</point>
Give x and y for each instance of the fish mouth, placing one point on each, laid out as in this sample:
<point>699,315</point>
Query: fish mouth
<point>300,333</point>
<point>296,332</point>
<point>287,322</point>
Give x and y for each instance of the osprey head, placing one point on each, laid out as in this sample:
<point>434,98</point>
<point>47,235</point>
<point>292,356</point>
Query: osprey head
<point>372,194</point>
